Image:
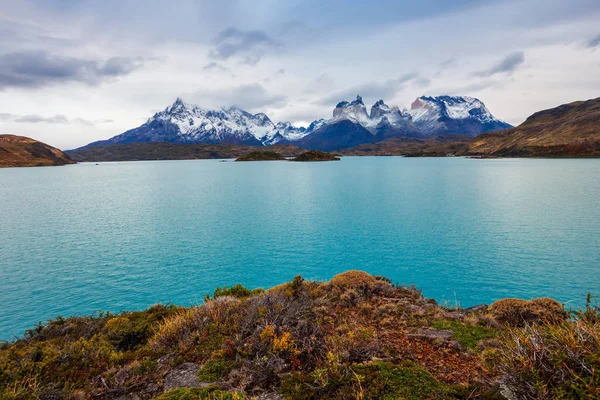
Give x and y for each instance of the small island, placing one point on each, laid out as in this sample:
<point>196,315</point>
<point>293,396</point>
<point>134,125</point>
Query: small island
<point>314,155</point>
<point>261,156</point>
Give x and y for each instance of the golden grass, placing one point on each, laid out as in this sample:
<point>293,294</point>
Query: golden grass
<point>518,312</point>
<point>353,279</point>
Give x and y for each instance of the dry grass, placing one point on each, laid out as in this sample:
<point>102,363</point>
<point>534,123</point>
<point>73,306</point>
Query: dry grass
<point>517,312</point>
<point>353,279</point>
<point>183,328</point>
<point>550,361</point>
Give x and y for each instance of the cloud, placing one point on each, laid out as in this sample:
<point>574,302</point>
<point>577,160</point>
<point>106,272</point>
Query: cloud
<point>448,63</point>
<point>593,43</point>
<point>473,87</point>
<point>422,82</point>
<point>35,119</point>
<point>379,90</point>
<point>248,97</point>
<point>214,65</point>
<point>55,119</point>
<point>508,65</point>
<point>249,46</point>
<point>37,69</point>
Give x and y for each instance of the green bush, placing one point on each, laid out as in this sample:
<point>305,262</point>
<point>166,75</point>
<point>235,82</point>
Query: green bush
<point>381,380</point>
<point>466,334</point>
<point>215,370</point>
<point>209,393</point>
<point>237,290</point>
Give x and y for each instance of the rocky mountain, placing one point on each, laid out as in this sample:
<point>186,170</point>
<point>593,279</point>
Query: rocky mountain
<point>336,135</point>
<point>186,123</point>
<point>351,124</point>
<point>20,151</point>
<point>453,114</point>
<point>568,130</point>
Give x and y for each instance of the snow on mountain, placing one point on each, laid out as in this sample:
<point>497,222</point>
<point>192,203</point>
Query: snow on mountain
<point>393,115</point>
<point>354,111</point>
<point>453,114</point>
<point>429,116</point>
<point>204,125</point>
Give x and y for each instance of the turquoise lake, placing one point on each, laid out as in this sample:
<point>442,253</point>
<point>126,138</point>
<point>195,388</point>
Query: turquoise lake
<point>123,236</point>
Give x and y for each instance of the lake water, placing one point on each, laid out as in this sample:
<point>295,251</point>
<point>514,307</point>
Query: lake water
<point>123,236</point>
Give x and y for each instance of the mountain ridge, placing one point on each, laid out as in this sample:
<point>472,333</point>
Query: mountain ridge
<point>182,123</point>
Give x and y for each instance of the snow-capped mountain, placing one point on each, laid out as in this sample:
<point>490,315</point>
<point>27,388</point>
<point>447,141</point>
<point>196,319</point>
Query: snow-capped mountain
<point>288,133</point>
<point>453,114</point>
<point>350,124</point>
<point>354,111</point>
<point>187,123</point>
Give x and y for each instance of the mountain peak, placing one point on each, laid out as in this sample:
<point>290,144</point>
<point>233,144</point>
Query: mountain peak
<point>354,111</point>
<point>358,101</point>
<point>453,114</point>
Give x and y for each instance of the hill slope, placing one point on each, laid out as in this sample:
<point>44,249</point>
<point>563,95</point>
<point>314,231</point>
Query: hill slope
<point>570,130</point>
<point>441,145</point>
<point>20,151</point>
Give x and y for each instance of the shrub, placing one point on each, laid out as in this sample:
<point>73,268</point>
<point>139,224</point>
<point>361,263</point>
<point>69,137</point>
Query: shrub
<point>125,334</point>
<point>237,290</point>
<point>183,329</point>
<point>517,312</point>
<point>353,279</point>
<point>466,334</point>
<point>546,361</point>
<point>591,314</point>
<point>353,343</point>
<point>209,393</point>
<point>381,380</point>
<point>215,370</point>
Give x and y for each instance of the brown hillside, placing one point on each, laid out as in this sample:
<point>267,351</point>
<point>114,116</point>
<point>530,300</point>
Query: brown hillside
<point>570,130</point>
<point>20,151</point>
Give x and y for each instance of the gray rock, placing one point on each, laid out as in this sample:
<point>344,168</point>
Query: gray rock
<point>130,396</point>
<point>270,396</point>
<point>477,308</point>
<point>184,375</point>
<point>427,333</point>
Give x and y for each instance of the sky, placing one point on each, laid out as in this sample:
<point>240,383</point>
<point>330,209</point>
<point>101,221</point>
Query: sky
<point>76,71</point>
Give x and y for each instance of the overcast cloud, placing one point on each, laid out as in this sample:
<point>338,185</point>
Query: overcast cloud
<point>72,72</point>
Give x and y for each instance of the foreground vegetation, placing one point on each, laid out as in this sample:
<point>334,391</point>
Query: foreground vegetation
<point>355,337</point>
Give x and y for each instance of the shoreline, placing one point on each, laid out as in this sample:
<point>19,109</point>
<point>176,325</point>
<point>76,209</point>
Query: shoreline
<point>273,344</point>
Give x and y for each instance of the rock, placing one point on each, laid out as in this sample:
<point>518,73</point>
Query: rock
<point>414,309</point>
<point>270,396</point>
<point>166,359</point>
<point>432,334</point>
<point>184,375</point>
<point>455,315</point>
<point>129,396</point>
<point>476,309</point>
